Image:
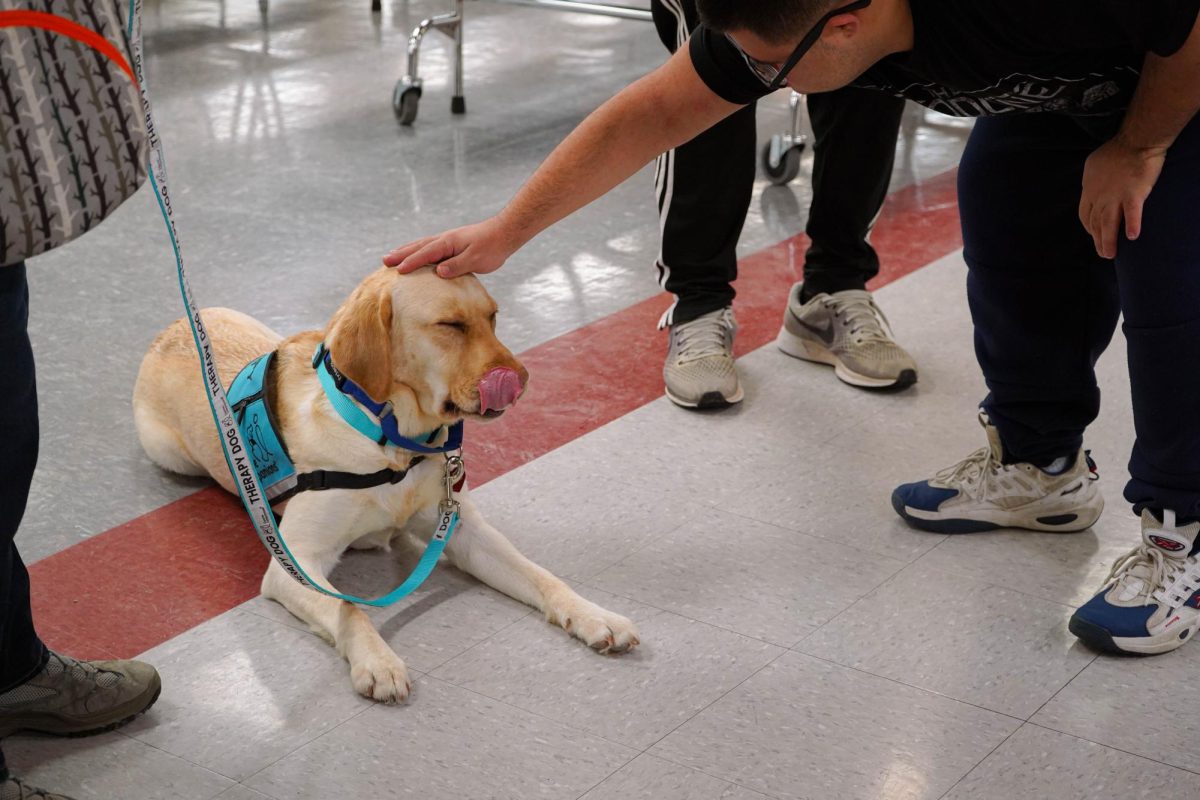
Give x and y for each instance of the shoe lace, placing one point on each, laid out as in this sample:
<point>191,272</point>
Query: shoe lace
<point>82,671</point>
<point>1163,577</point>
<point>703,336</point>
<point>972,472</point>
<point>864,320</point>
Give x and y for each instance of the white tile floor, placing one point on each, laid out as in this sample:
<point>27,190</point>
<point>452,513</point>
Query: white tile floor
<point>920,666</point>
<point>799,641</point>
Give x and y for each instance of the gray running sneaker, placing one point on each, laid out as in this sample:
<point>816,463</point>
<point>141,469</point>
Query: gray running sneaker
<point>79,698</point>
<point>847,331</point>
<point>699,371</point>
<point>16,789</point>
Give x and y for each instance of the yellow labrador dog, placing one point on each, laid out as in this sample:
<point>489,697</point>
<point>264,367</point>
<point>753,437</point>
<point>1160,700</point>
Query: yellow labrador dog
<point>428,346</point>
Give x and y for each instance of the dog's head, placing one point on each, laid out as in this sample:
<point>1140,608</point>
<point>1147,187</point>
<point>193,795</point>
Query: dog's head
<point>428,344</point>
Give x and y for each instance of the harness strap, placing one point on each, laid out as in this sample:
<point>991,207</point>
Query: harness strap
<point>322,479</point>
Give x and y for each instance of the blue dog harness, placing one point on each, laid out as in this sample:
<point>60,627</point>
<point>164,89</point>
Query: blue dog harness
<point>250,400</point>
<point>252,410</point>
<point>249,397</point>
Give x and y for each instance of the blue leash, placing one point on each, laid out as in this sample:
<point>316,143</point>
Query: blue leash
<point>241,467</point>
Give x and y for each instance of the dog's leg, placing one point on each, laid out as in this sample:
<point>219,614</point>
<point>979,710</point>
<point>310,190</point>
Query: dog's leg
<point>483,551</point>
<point>316,532</point>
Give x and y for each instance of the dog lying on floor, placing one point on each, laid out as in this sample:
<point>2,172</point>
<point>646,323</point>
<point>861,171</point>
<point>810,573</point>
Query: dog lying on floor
<point>426,345</point>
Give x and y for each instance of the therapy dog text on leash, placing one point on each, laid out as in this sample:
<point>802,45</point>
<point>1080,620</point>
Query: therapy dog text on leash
<point>427,347</point>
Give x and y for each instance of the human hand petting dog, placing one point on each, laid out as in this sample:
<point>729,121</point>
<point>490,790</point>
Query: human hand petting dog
<point>479,248</point>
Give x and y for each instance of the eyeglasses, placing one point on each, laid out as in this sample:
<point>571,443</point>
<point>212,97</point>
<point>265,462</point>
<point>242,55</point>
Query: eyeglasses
<point>775,75</point>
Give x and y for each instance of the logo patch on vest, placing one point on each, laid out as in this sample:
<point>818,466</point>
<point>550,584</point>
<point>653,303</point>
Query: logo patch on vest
<point>264,460</point>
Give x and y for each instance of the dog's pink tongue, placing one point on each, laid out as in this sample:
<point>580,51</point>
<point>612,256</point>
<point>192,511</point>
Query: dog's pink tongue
<point>499,389</point>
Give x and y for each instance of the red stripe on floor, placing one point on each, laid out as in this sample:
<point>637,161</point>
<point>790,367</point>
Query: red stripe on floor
<point>128,589</point>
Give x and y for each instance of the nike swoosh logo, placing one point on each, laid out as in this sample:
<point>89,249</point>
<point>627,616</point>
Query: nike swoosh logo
<point>824,334</point>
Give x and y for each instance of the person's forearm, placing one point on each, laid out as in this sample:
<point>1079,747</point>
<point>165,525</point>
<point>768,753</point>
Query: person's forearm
<point>656,113</point>
<point>1167,97</point>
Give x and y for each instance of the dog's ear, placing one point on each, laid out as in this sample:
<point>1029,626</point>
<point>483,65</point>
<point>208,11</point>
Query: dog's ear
<point>360,338</point>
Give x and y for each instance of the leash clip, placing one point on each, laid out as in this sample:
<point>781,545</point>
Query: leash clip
<point>455,472</point>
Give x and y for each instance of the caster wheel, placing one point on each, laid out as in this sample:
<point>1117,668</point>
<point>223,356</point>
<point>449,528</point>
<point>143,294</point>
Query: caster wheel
<point>405,102</point>
<point>781,167</point>
<point>458,104</point>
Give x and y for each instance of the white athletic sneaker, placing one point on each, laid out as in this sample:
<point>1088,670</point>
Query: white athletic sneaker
<point>981,493</point>
<point>847,331</point>
<point>1150,602</point>
<point>699,371</point>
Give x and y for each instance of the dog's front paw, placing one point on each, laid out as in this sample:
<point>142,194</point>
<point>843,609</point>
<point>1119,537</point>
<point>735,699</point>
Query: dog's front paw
<point>382,677</point>
<point>603,630</point>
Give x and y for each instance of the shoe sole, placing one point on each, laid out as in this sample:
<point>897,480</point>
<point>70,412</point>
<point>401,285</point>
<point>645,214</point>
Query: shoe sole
<point>708,401</point>
<point>1098,638</point>
<point>1071,522</point>
<point>808,350</point>
<point>68,728</point>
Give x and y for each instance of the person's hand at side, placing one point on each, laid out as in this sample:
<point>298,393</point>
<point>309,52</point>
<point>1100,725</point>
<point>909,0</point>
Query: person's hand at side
<point>1117,179</point>
<point>1119,176</point>
<point>479,248</point>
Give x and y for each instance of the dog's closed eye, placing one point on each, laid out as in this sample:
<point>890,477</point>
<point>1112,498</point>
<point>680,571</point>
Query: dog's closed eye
<point>461,327</point>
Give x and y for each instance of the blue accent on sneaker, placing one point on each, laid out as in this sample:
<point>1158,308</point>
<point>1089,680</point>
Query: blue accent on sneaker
<point>923,496</point>
<point>1125,622</point>
<point>930,498</point>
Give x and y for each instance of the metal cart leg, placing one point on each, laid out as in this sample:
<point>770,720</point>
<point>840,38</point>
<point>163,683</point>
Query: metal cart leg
<point>781,155</point>
<point>458,103</point>
<point>407,94</point>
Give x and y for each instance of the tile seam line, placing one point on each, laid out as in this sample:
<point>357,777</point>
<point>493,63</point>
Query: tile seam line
<point>922,689</point>
<point>976,765</point>
<point>293,751</point>
<point>539,715</point>
<point>449,682</point>
<point>1030,724</point>
<point>1045,727</point>
<point>1095,657</point>
<point>683,616</point>
<point>130,737</point>
<point>669,733</point>
<point>797,648</point>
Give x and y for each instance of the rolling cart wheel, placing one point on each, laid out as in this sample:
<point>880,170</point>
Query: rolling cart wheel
<point>783,170</point>
<point>405,101</point>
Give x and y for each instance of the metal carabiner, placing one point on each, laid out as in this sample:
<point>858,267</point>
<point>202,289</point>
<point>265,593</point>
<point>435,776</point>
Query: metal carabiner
<point>454,470</point>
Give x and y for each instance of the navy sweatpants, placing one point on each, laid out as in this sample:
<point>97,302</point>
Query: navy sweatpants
<point>1045,305</point>
<point>21,652</point>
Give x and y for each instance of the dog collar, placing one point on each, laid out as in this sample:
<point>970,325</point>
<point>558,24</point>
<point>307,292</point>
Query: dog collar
<point>383,429</point>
